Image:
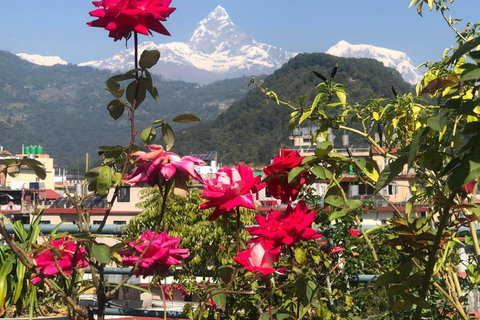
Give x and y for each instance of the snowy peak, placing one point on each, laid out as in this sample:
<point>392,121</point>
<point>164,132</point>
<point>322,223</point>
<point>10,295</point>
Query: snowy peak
<point>217,33</point>
<point>41,60</point>
<point>217,49</point>
<point>390,58</point>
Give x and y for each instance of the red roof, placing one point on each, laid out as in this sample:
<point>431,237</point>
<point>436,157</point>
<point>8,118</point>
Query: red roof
<point>50,194</point>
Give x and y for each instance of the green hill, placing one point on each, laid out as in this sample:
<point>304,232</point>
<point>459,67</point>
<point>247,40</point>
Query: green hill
<point>63,108</point>
<point>253,129</point>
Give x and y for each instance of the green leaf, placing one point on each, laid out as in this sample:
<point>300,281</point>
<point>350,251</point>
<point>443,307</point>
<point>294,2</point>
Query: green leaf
<point>472,273</point>
<point>35,166</point>
<point>116,109</point>
<point>104,181</point>
<point>168,136</point>
<point>437,122</point>
<point>390,172</point>
<point>220,299</point>
<point>186,118</point>
<point>463,49</point>
<point>148,84</point>
<point>319,171</point>
<point>324,148</point>
<point>387,278</point>
<point>225,274</point>
<point>5,270</point>
<point>294,173</point>
<point>397,289</point>
<point>401,305</point>
<point>101,252</point>
<point>301,100</point>
<point>464,173</point>
<point>142,92</point>
<point>300,255</point>
<point>415,146</point>
<point>471,75</point>
<point>148,135</point>
<point>335,200</point>
<point>149,58</point>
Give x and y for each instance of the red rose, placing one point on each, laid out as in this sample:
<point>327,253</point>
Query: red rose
<point>277,229</point>
<point>231,188</point>
<point>278,185</point>
<point>66,255</point>
<point>162,253</point>
<point>258,259</point>
<point>354,232</point>
<point>122,17</point>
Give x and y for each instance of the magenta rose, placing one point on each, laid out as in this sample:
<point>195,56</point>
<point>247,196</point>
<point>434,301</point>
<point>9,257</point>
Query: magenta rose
<point>277,176</point>
<point>277,229</point>
<point>162,253</point>
<point>158,166</point>
<point>122,17</point>
<point>66,256</point>
<point>231,188</point>
<point>258,259</point>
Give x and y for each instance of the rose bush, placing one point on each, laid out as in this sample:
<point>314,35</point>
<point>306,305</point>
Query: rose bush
<point>59,257</point>
<point>315,273</point>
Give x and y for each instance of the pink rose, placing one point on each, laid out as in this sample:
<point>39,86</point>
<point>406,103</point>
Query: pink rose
<point>258,259</point>
<point>354,232</point>
<point>66,255</point>
<point>277,185</point>
<point>231,188</point>
<point>158,166</point>
<point>162,253</point>
<point>277,229</point>
<point>122,17</point>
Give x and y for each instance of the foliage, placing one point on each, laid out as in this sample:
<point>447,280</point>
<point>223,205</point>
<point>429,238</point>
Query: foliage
<point>18,296</point>
<point>253,128</point>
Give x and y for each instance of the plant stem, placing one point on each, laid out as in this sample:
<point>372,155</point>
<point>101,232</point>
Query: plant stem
<point>267,286</point>
<point>238,230</point>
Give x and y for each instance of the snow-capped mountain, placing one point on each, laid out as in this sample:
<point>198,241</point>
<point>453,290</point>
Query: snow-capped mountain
<point>216,50</point>
<point>390,58</point>
<point>41,60</point>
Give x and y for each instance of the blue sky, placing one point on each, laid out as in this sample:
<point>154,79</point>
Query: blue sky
<point>54,27</point>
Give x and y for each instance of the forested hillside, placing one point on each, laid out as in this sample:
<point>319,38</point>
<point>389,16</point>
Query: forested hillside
<point>63,108</point>
<point>253,129</point>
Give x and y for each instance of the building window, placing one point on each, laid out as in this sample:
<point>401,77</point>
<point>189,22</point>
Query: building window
<point>97,221</point>
<point>124,194</point>
<point>307,140</point>
<point>120,223</point>
<point>392,189</point>
<point>44,222</point>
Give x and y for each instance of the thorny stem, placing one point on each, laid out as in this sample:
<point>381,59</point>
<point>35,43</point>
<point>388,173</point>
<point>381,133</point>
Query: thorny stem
<point>447,20</point>
<point>164,302</point>
<point>452,301</point>
<point>432,256</point>
<point>157,229</point>
<point>267,286</point>
<point>238,230</point>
